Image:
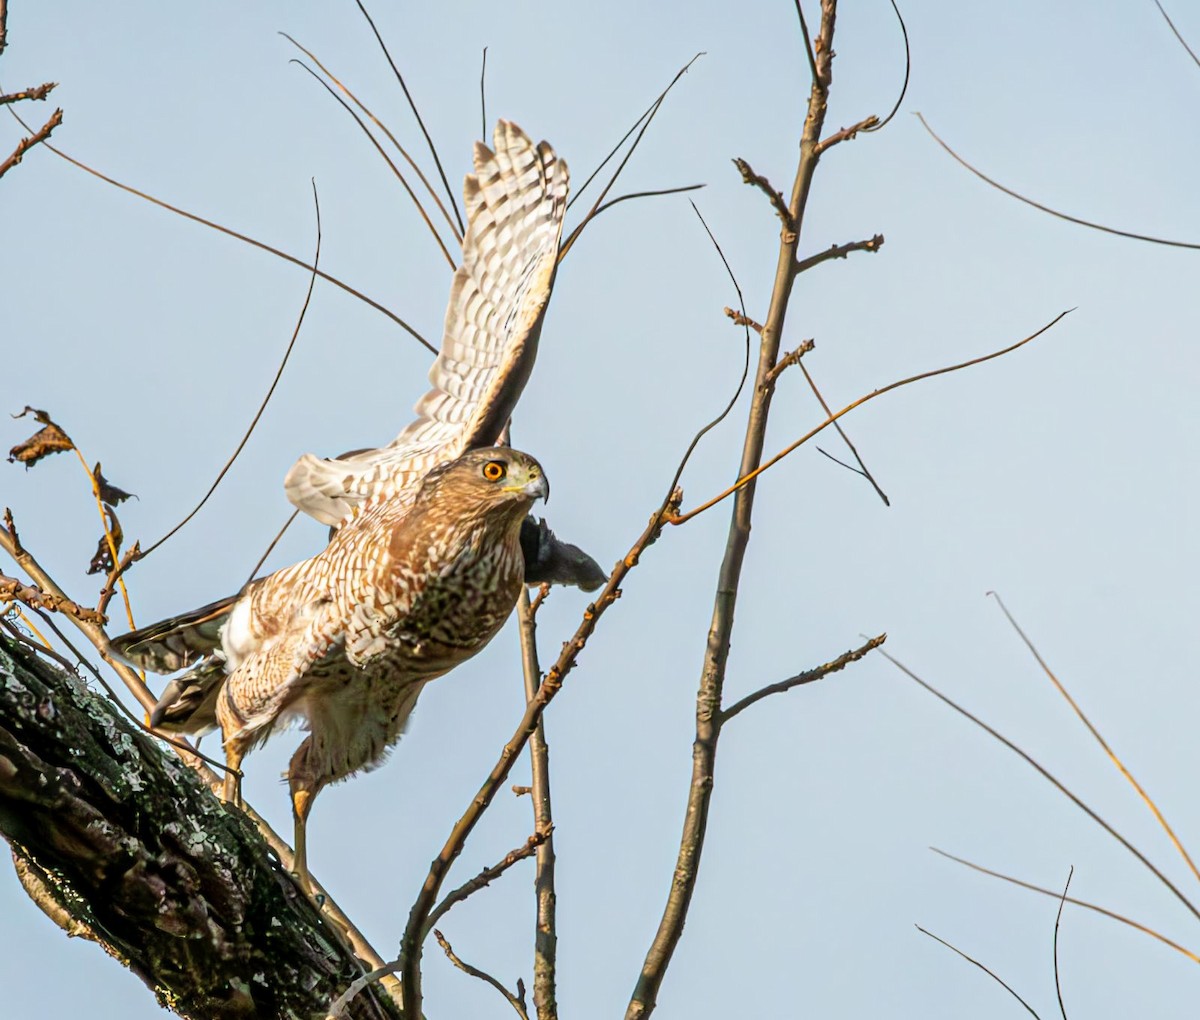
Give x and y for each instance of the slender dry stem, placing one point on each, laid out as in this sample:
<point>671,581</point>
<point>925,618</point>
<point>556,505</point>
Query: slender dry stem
<point>1045,208</point>
<point>545,939</point>
<point>1102,911</point>
<point>990,973</point>
<point>1112,755</point>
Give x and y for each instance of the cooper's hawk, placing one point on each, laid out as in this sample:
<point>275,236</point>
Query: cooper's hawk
<point>343,642</point>
<point>425,562</point>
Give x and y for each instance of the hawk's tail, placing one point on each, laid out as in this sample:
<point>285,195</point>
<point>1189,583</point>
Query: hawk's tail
<point>189,702</point>
<point>176,642</point>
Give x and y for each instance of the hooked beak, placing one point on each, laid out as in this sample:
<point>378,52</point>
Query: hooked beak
<point>537,488</point>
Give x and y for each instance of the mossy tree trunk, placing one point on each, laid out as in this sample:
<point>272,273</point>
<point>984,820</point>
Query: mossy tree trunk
<point>121,843</point>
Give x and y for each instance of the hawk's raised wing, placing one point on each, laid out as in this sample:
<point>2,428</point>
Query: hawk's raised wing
<point>515,204</point>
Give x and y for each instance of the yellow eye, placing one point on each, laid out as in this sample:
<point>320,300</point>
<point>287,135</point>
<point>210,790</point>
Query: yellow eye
<point>494,470</point>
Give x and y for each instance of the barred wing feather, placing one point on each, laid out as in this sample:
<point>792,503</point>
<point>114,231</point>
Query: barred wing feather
<point>515,202</point>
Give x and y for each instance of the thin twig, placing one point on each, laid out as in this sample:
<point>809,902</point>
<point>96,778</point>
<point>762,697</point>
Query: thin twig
<point>808,47</point>
<point>648,119</point>
<point>25,144</point>
<point>119,565</point>
<point>270,390</point>
<point>245,239</point>
<point>649,111</point>
<point>647,194</point>
<point>33,92</point>
<point>378,148</point>
<point>12,589</point>
<point>545,940</point>
<point>483,96</point>
<point>1062,901</point>
<point>41,646</point>
<point>743,320</point>
<point>990,973</point>
<point>848,134</point>
<point>1045,773</point>
<point>774,196</point>
<point>839,251</point>
<point>862,467</point>
<point>907,72</point>
<point>1182,41</point>
<point>807,677</point>
<point>746,479</point>
<point>1112,755</point>
<point>1102,911</point>
<point>488,875</point>
<point>416,113</point>
<point>1045,208</point>
<point>274,542</point>
<point>475,972</point>
<point>391,138</point>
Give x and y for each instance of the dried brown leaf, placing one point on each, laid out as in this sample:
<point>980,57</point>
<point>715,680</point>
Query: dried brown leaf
<point>102,562</point>
<point>109,493</point>
<point>41,444</point>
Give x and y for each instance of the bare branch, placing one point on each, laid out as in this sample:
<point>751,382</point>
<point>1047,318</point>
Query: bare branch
<point>417,114</point>
<point>647,194</point>
<point>847,134</point>
<point>787,360</point>
<point>1045,208</point>
<point>545,940</point>
<point>807,677</point>
<point>270,390</point>
<point>483,95</point>
<point>274,542</point>
<point>741,319</point>
<point>808,46</point>
<point>712,677</point>
<point>648,112</point>
<point>1112,755</point>
<point>1045,773</point>
<point>12,589</point>
<point>1062,901</point>
<point>990,973</point>
<point>378,148</point>
<point>839,251</point>
<point>1182,41</point>
<point>25,144</point>
<point>862,468</point>
<point>907,73</point>
<point>245,239</point>
<point>1103,911</point>
<point>516,1003</point>
<point>646,120</point>
<point>487,876</point>
<point>33,92</point>
<point>774,196</point>
<point>746,479</point>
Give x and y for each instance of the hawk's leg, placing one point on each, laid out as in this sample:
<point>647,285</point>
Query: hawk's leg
<point>304,785</point>
<point>234,753</point>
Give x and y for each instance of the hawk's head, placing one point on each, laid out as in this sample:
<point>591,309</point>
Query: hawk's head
<point>491,479</point>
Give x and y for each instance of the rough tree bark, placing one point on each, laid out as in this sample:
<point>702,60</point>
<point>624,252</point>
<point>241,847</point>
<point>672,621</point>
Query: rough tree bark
<point>121,843</point>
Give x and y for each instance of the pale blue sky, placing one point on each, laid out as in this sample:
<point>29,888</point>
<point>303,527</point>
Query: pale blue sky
<point>1062,476</point>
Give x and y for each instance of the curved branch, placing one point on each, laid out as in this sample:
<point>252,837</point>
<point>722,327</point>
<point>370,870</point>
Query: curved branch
<point>1045,208</point>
